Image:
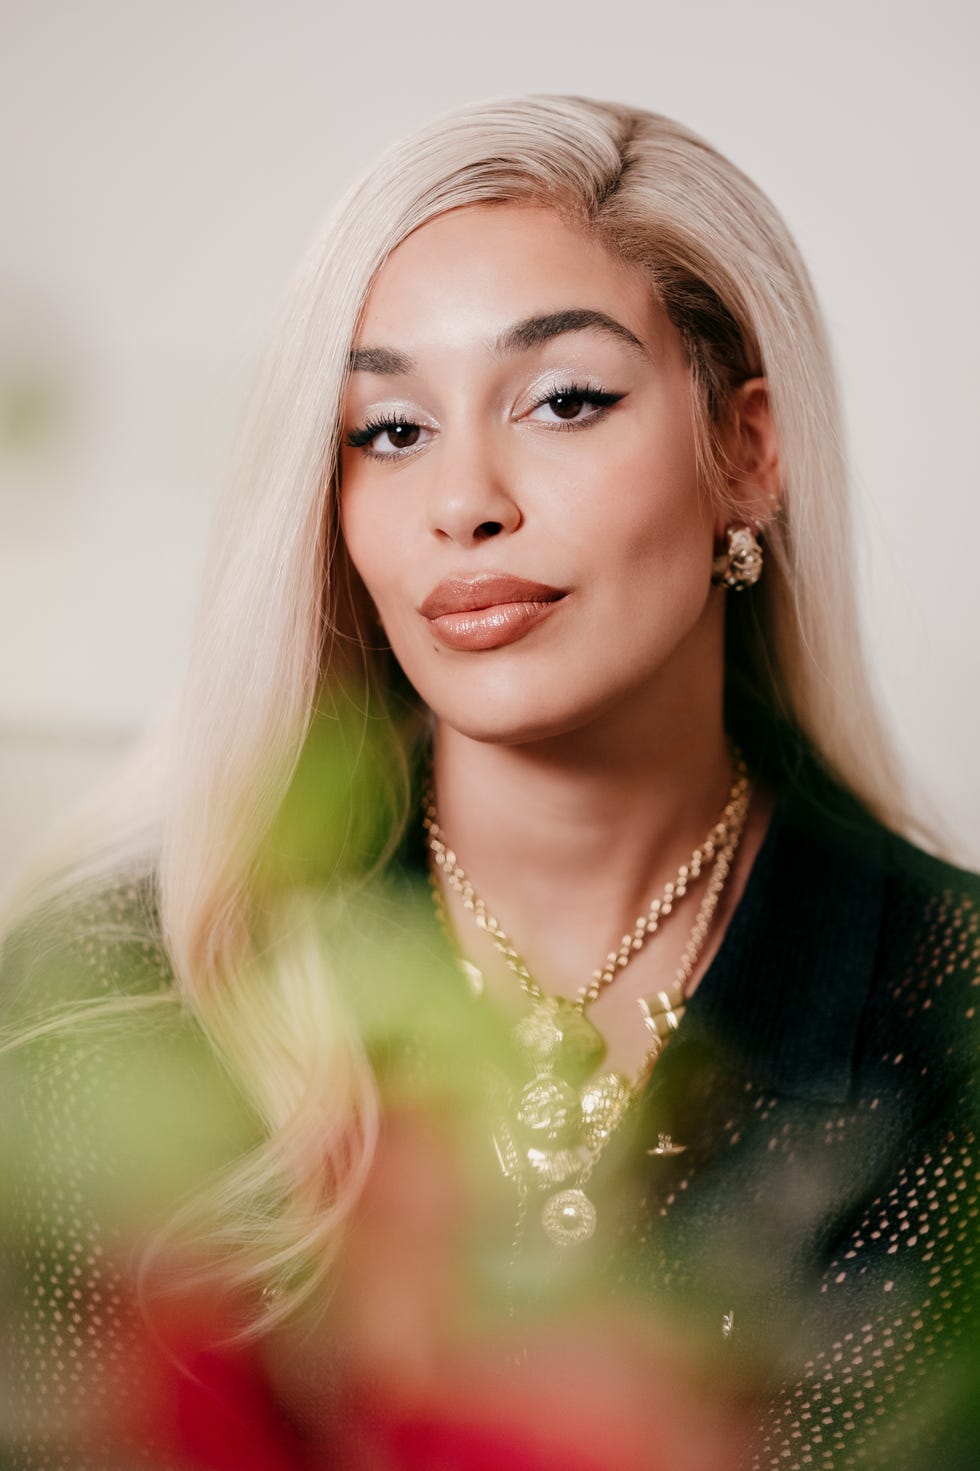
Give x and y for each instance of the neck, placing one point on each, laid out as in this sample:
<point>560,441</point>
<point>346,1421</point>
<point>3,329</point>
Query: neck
<point>583,828</point>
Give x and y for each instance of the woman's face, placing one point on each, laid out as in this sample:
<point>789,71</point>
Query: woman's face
<point>519,491</point>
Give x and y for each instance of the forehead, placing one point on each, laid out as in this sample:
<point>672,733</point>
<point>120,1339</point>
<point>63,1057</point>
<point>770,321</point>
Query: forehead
<point>483,265</point>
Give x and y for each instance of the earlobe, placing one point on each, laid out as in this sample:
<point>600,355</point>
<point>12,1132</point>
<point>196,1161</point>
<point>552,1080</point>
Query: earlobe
<point>754,486</point>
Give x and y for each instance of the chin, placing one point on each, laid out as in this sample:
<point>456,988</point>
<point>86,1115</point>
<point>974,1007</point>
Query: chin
<point>514,721</point>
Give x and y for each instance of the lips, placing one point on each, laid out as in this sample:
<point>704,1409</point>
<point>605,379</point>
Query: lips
<point>467,594</point>
<point>488,611</point>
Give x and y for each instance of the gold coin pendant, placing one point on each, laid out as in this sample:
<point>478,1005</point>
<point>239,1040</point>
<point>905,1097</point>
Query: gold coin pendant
<point>568,1217</point>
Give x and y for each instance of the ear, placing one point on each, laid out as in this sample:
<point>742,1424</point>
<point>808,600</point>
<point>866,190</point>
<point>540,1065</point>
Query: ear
<point>751,458</point>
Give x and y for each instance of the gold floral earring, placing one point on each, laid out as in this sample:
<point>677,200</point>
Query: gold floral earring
<point>740,565</point>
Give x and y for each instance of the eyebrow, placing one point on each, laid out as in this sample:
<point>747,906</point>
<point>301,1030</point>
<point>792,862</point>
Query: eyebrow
<point>522,336</point>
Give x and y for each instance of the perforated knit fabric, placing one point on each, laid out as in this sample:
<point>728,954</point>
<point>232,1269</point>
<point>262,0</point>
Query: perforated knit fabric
<point>820,1227</point>
<point>824,1218</point>
<point>68,1333</point>
<point>104,1127</point>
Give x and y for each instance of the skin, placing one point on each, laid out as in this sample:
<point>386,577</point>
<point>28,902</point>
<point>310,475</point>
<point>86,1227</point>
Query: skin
<point>577,767</point>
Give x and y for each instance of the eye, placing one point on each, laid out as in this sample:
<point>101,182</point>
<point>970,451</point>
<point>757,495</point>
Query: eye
<point>571,406</point>
<point>387,438</point>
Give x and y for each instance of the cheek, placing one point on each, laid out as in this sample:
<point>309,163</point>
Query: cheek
<point>367,540</point>
<point>644,508</point>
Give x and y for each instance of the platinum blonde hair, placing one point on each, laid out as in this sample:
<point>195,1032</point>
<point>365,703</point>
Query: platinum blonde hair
<point>279,616</point>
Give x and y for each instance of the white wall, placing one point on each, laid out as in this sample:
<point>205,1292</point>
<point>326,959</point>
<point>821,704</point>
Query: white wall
<point>164,163</point>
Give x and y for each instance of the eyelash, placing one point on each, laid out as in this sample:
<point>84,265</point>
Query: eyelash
<point>599,398</point>
<point>361,438</point>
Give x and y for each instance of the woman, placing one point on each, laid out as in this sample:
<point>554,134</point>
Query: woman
<point>534,571</point>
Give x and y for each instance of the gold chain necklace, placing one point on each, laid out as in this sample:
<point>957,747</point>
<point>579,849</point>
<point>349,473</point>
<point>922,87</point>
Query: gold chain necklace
<point>564,1125</point>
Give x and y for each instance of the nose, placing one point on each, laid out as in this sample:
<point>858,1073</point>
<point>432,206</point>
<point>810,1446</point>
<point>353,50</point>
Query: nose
<point>472,496</point>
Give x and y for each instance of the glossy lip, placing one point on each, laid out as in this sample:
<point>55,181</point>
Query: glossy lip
<point>487,611</point>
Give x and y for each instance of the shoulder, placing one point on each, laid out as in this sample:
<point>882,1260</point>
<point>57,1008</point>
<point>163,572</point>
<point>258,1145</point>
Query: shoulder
<point>106,1076</point>
<point>829,821</point>
<point>921,1027</point>
<point>928,909</point>
<point>116,1111</point>
<point>87,943</point>
<point>927,875</point>
<point>932,915</point>
<point>881,935</point>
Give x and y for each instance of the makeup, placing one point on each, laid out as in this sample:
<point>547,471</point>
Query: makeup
<point>488,611</point>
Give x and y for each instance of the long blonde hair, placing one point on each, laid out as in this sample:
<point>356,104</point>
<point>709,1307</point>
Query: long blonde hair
<point>279,619</point>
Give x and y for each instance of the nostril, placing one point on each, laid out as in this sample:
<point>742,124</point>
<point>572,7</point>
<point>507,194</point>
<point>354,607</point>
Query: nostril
<point>486,529</point>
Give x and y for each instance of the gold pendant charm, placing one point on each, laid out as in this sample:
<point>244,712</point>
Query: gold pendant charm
<point>554,1166</point>
<point>568,1217</point>
<point>662,1013</point>
<point>603,1104</point>
<point>555,1035</point>
<point>550,1112</point>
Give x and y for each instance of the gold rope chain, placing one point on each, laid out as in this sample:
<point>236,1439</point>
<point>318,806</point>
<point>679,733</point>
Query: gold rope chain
<point>728,827</point>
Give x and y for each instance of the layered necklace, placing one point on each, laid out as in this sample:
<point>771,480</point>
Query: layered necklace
<point>548,1136</point>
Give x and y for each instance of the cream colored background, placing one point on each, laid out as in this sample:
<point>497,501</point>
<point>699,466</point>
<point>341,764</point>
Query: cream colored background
<point>163,165</point>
